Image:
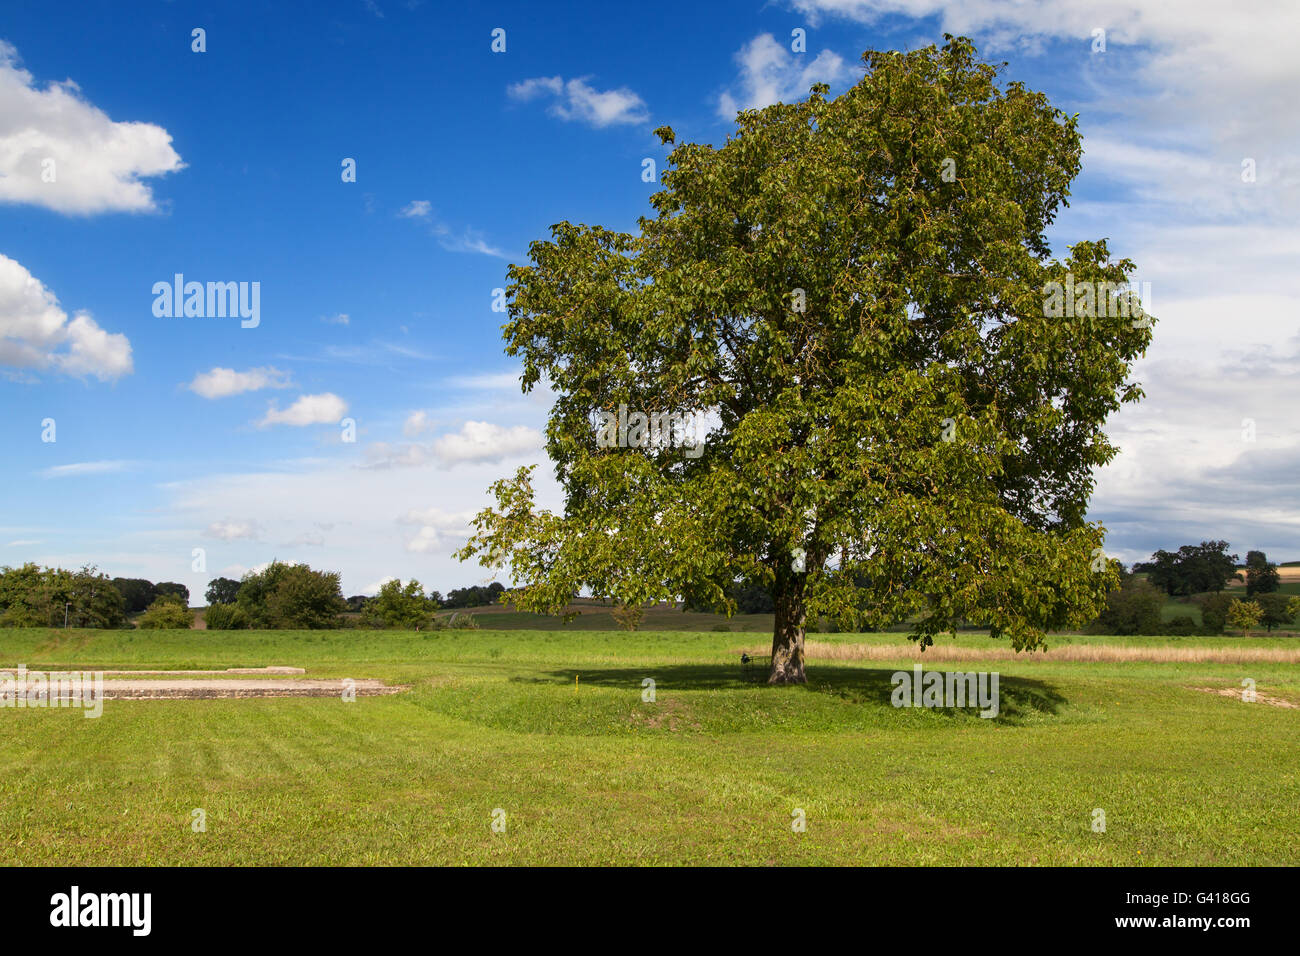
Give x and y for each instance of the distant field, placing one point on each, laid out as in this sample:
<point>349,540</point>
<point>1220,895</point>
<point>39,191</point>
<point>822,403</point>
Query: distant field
<point>550,727</point>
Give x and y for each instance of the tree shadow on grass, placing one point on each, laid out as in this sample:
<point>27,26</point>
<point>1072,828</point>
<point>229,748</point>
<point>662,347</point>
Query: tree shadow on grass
<point>1018,697</point>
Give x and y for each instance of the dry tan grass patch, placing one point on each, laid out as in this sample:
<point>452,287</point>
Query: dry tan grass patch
<point>1097,653</point>
<point>1235,694</point>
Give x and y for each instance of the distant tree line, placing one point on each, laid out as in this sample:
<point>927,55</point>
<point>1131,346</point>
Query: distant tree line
<point>32,596</point>
<point>473,596</point>
<point>294,596</point>
<point>281,595</point>
<point>746,597</point>
<point>138,594</point>
<point>1199,573</point>
<point>1195,569</point>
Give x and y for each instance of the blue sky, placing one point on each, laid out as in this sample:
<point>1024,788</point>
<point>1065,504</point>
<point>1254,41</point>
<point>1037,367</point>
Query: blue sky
<point>180,433</point>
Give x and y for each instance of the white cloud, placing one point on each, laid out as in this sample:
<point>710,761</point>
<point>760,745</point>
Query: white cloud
<point>323,409</point>
<point>537,86</point>
<point>376,352</point>
<point>36,333</point>
<point>97,164</point>
<point>772,73</point>
<point>486,442</point>
<point>233,530</point>
<point>92,351</point>
<point>370,590</point>
<point>378,514</point>
<point>578,101</point>
<point>469,240</point>
<point>76,469</point>
<point>259,568</point>
<point>439,518</point>
<point>340,319</point>
<point>488,381</point>
<point>1190,469</point>
<point>429,540</point>
<point>223,382</point>
<point>417,209</point>
<point>1221,75</point>
<point>474,442</point>
<point>466,240</point>
<point>416,423</point>
<point>439,531</point>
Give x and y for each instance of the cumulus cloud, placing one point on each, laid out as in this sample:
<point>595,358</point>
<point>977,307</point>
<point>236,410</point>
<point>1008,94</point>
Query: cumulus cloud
<point>223,382</point>
<point>486,442</point>
<point>474,442</point>
<point>92,351</point>
<point>323,409</point>
<point>438,531</point>
<point>417,209</point>
<point>374,587</point>
<point>578,101</point>
<point>428,540</point>
<point>35,333</point>
<point>60,151</point>
<point>416,423</point>
<point>771,73</point>
<point>1200,77</point>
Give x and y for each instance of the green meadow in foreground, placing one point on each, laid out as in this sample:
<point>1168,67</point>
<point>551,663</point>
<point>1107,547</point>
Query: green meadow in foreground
<point>711,772</point>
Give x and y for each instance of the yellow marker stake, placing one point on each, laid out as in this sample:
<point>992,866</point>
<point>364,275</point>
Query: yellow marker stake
<point>575,685</point>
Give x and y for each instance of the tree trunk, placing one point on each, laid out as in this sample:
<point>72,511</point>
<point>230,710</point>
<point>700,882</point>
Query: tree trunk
<point>787,632</point>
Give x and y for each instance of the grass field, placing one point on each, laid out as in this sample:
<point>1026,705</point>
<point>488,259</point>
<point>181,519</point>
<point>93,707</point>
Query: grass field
<point>710,773</point>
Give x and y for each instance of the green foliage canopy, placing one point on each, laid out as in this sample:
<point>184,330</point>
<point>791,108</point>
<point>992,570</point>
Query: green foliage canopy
<point>400,606</point>
<point>167,612</point>
<point>291,596</point>
<point>854,288</point>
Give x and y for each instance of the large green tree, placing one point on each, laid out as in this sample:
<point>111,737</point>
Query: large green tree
<point>1196,568</point>
<point>168,611</point>
<point>1262,576</point>
<point>1135,608</point>
<point>291,597</point>
<point>1276,610</point>
<point>905,391</point>
<point>400,606</point>
<point>222,591</point>
<point>137,593</point>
